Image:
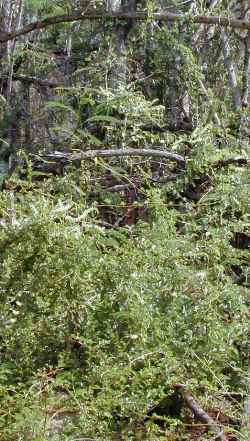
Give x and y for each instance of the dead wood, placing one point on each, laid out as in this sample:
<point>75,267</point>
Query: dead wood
<point>130,152</point>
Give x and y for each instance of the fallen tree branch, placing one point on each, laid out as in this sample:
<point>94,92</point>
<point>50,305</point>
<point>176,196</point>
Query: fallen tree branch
<point>138,16</point>
<point>91,154</point>
<point>200,414</point>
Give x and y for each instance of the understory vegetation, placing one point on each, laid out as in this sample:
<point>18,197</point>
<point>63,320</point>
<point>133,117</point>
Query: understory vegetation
<point>99,324</point>
<point>124,274</point>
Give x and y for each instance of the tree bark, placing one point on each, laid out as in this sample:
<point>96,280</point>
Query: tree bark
<point>5,23</point>
<point>18,22</point>
<point>231,70</point>
<point>246,71</point>
<point>118,74</point>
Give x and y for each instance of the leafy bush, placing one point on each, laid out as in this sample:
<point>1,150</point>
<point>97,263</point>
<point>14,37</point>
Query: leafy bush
<point>121,315</point>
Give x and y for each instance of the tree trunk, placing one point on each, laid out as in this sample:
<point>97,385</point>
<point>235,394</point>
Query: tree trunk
<point>119,73</point>
<point>5,8</point>
<point>231,70</point>
<point>246,71</point>
<point>18,23</point>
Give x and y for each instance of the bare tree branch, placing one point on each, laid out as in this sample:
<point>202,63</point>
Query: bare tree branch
<point>91,154</point>
<point>163,16</point>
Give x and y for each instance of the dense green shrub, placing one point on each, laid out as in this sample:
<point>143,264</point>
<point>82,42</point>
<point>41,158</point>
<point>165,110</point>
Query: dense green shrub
<point>150,306</point>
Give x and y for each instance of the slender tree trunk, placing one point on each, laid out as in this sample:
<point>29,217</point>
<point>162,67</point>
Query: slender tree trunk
<point>178,101</point>
<point>119,72</point>
<point>27,117</point>
<point>4,27</point>
<point>246,71</point>
<point>231,70</point>
<point>18,23</point>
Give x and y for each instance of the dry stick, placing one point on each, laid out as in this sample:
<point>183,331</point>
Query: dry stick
<point>91,154</point>
<point>162,16</point>
<point>200,414</point>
